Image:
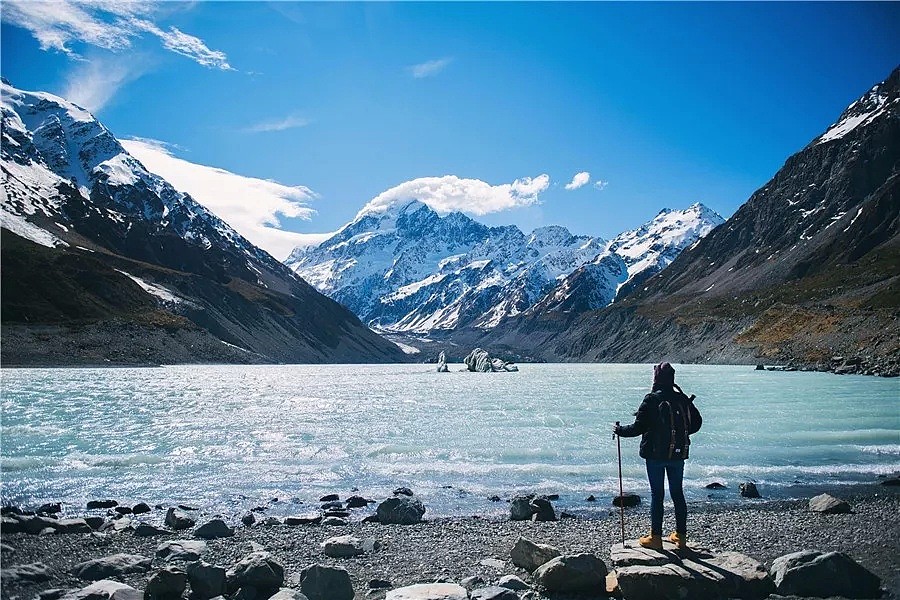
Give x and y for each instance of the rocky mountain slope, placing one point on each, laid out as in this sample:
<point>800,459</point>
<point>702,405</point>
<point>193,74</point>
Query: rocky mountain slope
<point>805,271</point>
<point>106,262</point>
<point>405,269</point>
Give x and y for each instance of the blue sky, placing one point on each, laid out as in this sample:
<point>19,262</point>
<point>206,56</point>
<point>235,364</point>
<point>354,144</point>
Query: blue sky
<point>663,104</point>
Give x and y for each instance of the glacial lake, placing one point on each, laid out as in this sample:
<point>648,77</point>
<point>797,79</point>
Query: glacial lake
<point>228,438</point>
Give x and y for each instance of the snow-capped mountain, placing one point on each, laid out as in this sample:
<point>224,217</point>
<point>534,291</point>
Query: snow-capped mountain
<point>127,234</point>
<point>630,259</point>
<point>407,269</point>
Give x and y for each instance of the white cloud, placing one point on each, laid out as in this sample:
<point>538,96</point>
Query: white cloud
<point>289,122</point>
<point>579,180</point>
<point>429,68</point>
<point>252,206</point>
<point>105,24</point>
<point>450,193</point>
<point>92,84</point>
<point>600,184</point>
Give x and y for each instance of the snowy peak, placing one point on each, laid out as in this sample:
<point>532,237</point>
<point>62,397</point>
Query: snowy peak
<point>668,230</point>
<point>883,98</point>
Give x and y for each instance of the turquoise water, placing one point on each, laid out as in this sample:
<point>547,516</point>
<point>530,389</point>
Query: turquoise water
<point>232,437</point>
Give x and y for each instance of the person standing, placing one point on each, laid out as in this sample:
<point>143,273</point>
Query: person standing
<point>665,420</point>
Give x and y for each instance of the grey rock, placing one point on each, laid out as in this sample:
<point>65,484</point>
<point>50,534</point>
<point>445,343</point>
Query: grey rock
<point>715,485</point>
<point>400,511</point>
<point>334,521</point>
<point>35,524</point>
<point>53,594</point>
<point>493,593</point>
<point>748,490</point>
<point>140,508</point>
<point>178,519</point>
<point>170,582</point>
<point>105,589</point>
<point>51,508</point>
<point>258,569</point>
<point>472,583</point>
<point>572,574</point>
<point>207,581</point>
<point>814,573</point>
<point>72,526</point>
<point>288,594</point>
<point>380,584</point>
<point>214,529</point>
<point>357,502</point>
<point>122,510</point>
<point>530,555</point>
<point>429,591</point>
<point>319,582</point>
<point>186,550</point>
<point>94,522</point>
<point>115,565</point>
<point>329,498</point>
<point>12,524</point>
<point>513,583</point>
<point>494,563</point>
<point>248,519</point>
<point>34,573</point>
<point>347,546</point>
<point>148,530</point>
<point>828,504</point>
<point>403,491</point>
<point>102,504</point>
<point>520,508</point>
<point>332,505</point>
<point>542,509</point>
<point>311,519</point>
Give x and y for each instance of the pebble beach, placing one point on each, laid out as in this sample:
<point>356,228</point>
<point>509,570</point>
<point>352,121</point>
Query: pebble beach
<point>453,549</point>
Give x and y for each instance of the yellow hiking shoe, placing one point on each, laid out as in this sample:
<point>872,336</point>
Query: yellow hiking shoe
<point>652,541</point>
<point>678,540</point>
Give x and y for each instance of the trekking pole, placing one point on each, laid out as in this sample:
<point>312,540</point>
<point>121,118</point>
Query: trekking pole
<point>621,493</point>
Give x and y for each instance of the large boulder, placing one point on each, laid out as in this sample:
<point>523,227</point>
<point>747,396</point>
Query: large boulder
<point>216,528</point>
<point>178,519</point>
<point>429,591</point>
<point>186,550</point>
<point>116,565</point>
<point>828,504</point>
<point>818,574</point>
<point>259,570</point>
<point>207,581</point>
<point>167,584</point>
<point>400,510</point>
<point>520,508</point>
<point>318,582</point>
<point>645,574</point>
<point>529,555</point>
<point>572,574</point>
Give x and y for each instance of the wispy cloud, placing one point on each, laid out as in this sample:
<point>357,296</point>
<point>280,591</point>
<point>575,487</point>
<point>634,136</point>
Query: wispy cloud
<point>103,24</point>
<point>91,84</point>
<point>451,193</point>
<point>600,184</point>
<point>579,180</point>
<point>254,207</point>
<point>289,122</point>
<point>429,68</point>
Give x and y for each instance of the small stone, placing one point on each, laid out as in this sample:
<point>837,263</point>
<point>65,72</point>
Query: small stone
<point>590,498</point>
<point>102,504</point>
<point>187,507</point>
<point>530,555</point>
<point>513,583</point>
<point>248,519</point>
<point>403,491</point>
<point>347,546</point>
<point>494,498</point>
<point>122,510</point>
<point>891,481</point>
<point>494,563</point>
<point>715,485</point>
<point>329,498</point>
<point>493,593</point>
<point>50,508</point>
<point>140,508</point>
<point>379,584</point>
<point>472,583</point>
<point>332,505</point>
<point>357,502</point>
<point>542,509</point>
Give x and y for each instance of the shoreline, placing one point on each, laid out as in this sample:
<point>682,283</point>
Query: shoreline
<point>454,548</point>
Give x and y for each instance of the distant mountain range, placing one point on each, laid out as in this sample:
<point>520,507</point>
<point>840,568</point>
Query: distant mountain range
<point>105,262</point>
<point>805,272</point>
<point>405,269</point>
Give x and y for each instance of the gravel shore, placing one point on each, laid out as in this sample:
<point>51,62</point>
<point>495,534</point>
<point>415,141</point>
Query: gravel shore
<point>453,549</point>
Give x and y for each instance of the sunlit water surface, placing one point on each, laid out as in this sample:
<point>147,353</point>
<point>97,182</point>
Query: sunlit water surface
<point>231,437</point>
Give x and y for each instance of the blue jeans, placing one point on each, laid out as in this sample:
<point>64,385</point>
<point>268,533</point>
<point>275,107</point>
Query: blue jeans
<point>656,473</point>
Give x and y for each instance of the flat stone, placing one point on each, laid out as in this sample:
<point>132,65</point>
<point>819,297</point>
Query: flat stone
<point>823,574</point>
<point>311,519</point>
<point>530,555</point>
<point>34,572</point>
<point>148,530</point>
<point>429,591</point>
<point>572,574</point>
<point>115,565</point>
<point>494,563</point>
<point>105,589</point>
<point>346,546</point>
<point>493,593</point>
<point>828,504</point>
<point>511,582</point>
<point>72,526</point>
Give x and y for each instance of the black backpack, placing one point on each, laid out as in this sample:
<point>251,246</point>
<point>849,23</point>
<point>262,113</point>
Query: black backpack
<point>674,424</point>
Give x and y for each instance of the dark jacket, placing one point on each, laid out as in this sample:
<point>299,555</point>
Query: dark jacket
<point>655,437</point>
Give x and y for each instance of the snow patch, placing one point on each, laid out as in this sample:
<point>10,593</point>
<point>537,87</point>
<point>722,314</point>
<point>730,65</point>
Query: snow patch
<point>18,225</point>
<point>154,290</point>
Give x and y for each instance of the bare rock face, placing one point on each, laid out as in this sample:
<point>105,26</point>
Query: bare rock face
<point>696,573</point>
<point>824,574</point>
